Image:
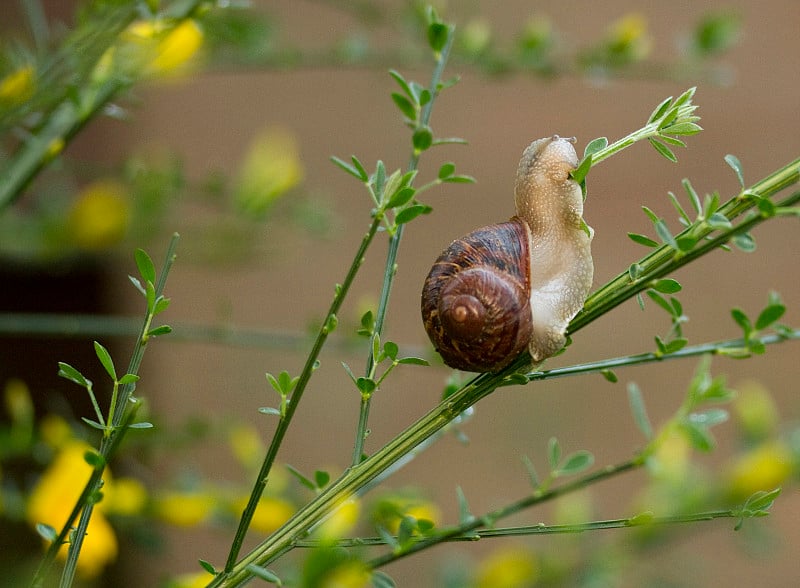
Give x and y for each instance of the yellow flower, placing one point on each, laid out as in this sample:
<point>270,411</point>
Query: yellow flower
<point>125,496</point>
<point>509,567</point>
<point>99,217</point>
<point>764,468</point>
<point>54,430</point>
<point>270,514</point>
<point>270,169</point>
<point>53,498</point>
<point>755,411</point>
<point>351,574</point>
<point>628,39</point>
<point>341,521</point>
<point>246,445</point>
<point>671,461</point>
<point>185,509</point>
<point>18,86</point>
<point>164,54</point>
<point>198,580</point>
<point>391,510</point>
<point>18,402</point>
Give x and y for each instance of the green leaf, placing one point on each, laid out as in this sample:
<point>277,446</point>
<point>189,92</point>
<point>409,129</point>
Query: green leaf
<point>679,209</point>
<point>736,166</point>
<point>94,424</point>
<point>642,240</point>
<point>683,128</point>
<point>94,459</point>
<point>761,500</point>
<point>742,320</point>
<point>405,532</point>
<point>464,513</point>
<point>264,574</point>
<point>46,532</point>
<point>437,36</point>
<point>610,376</point>
<point>531,469</point>
<point>595,145</point>
<point>349,168</point>
<point>138,285</point>
<point>693,197</point>
<point>207,567</point>
<point>447,170</point>
<point>422,138</point>
<point>401,197</point>
<point>580,172</point>
<point>744,242</point>
<point>405,106</point>
<point>145,265</point>
<point>661,301</point>
<point>412,361</point>
<point>553,454</point>
<point>301,478</point>
<point>770,315</point>
<point>676,345</point>
<point>141,425</point>
<point>161,305</point>
<point>459,180</point>
<point>366,385</point>
<point>576,462</point>
<point>390,349</point>
<point>158,331</point>
<point>672,141</point>
<point>129,379</point>
<point>382,580</point>
<point>719,221</point>
<point>663,150</point>
<point>401,81</point>
<point>70,373</point>
<point>105,358</point>
<point>664,233</point>
<point>667,286</point>
<point>321,478</point>
<point>269,410</point>
<point>639,411</point>
<point>660,110</point>
<point>330,324</point>
<point>408,214</point>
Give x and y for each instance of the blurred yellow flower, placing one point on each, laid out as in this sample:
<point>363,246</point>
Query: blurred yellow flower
<point>198,580</point>
<point>125,496</point>
<point>54,430</point>
<point>351,574</point>
<point>508,567</point>
<point>764,468</point>
<point>53,498</point>
<point>99,217</point>
<point>18,86</point>
<point>18,401</point>
<point>184,509</point>
<point>341,521</point>
<point>270,169</point>
<point>391,510</point>
<point>628,39</point>
<point>671,461</point>
<point>755,410</point>
<point>270,514</point>
<point>246,445</point>
<point>165,54</point>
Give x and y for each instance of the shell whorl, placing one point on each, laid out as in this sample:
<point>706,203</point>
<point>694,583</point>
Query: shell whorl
<point>476,298</point>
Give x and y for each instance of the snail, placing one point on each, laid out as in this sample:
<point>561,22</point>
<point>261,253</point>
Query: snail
<point>515,285</point>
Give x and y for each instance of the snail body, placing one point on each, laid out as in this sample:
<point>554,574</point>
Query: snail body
<point>513,286</point>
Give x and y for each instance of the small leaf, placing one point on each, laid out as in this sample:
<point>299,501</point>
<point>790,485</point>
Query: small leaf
<point>408,214</point>
<point>145,265</point>
<point>459,180</point>
<point>138,285</point>
<point>595,145</point>
<point>70,373</point>
<point>553,453</point>
<point>610,376</point>
<point>207,567</point>
<point>736,166</point>
<point>405,106</point>
<point>264,574</point>
<point>447,170</point>
<point>667,286</point>
<point>412,361</point>
<point>693,197</point>
<point>129,379</point>
<point>437,36</point>
<point>642,240</point>
<point>744,242</point>
<point>401,81</point>
<point>422,138</point>
<point>366,385</point>
<point>301,478</point>
<point>663,150</point>
<point>639,411</point>
<point>683,128</point>
<point>94,459</point>
<point>105,358</point>
<point>576,462</point>
<point>94,424</point>
<point>675,345</point>
<point>660,110</point>
<point>269,410</point>
<point>770,315</point>
<point>532,475</point>
<point>719,221</point>
<point>665,235</point>
<point>382,580</point>
<point>330,324</point>
<point>46,532</point>
<point>741,319</point>
<point>661,301</point>
<point>161,305</point>
<point>321,478</point>
<point>580,172</point>
<point>348,168</point>
<point>158,331</point>
<point>401,197</point>
<point>390,349</point>
<point>141,425</point>
<point>464,513</point>
<point>761,500</point>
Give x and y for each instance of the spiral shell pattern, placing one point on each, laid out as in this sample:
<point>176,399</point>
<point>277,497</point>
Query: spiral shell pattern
<point>476,298</point>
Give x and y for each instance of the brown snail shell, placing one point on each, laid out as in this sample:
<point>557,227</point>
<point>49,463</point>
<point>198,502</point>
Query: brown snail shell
<point>475,302</point>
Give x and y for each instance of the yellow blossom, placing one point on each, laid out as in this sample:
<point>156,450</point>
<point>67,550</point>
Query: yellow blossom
<point>764,468</point>
<point>18,86</point>
<point>270,169</point>
<point>53,498</point>
<point>391,511</point>
<point>125,496</point>
<point>54,430</point>
<point>351,574</point>
<point>246,445</point>
<point>185,509</point>
<point>198,580</point>
<point>671,461</point>
<point>629,40</point>
<point>755,410</point>
<point>342,521</point>
<point>18,402</point>
<point>509,567</point>
<point>99,217</point>
<point>166,54</point>
<point>270,514</point>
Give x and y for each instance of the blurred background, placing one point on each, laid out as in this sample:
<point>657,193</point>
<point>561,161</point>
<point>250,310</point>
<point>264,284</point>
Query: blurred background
<point>233,154</point>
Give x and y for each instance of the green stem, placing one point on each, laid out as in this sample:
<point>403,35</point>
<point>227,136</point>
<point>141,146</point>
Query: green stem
<point>297,394</point>
<point>390,268</point>
<point>481,386</point>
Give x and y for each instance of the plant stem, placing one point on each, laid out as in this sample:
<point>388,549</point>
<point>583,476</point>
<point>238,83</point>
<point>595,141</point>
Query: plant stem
<point>297,394</point>
<point>390,268</point>
<point>479,387</point>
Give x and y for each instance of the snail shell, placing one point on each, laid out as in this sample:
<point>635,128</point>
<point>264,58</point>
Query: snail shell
<point>515,285</point>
